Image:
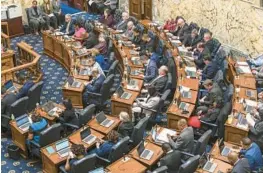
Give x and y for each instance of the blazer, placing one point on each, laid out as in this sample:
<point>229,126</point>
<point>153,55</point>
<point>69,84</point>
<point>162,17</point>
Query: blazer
<point>24,90</point>
<point>148,46</point>
<point>241,166</point>
<point>212,45</point>
<point>122,25</point>
<point>214,94</point>
<point>150,103</point>
<point>172,160</point>
<point>137,40</point>
<point>159,83</point>
<point>33,15</point>
<point>125,129</point>
<point>210,70</point>
<point>183,32</point>
<point>68,116</point>
<point>55,7</point>
<point>191,42</point>
<point>185,141</point>
<point>71,29</point>
<point>151,71</point>
<point>199,61</point>
<point>104,149</point>
<point>6,103</point>
<point>211,115</point>
<point>91,41</point>
<point>96,84</point>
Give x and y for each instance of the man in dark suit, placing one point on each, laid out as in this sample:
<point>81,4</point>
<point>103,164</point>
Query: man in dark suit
<point>211,44</point>
<point>202,52</point>
<point>68,27</point>
<point>171,158</point>
<point>91,40</point>
<point>210,69</point>
<point>191,40</point>
<point>94,85</point>
<point>6,101</point>
<point>160,81</point>
<point>25,88</point>
<point>122,25</point>
<point>240,165</point>
<point>185,141</point>
<point>183,30</point>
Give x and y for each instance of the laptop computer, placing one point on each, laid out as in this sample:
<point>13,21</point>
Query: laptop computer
<point>186,94</point>
<point>102,120</point>
<point>210,166</point>
<point>242,119</point>
<point>48,106</point>
<point>86,136</point>
<point>9,86</point>
<point>249,108</point>
<point>23,122</point>
<point>73,83</point>
<point>224,150</point>
<point>84,72</point>
<point>122,94</point>
<point>249,93</point>
<point>133,82</point>
<point>192,74</point>
<point>183,106</point>
<point>144,153</point>
<point>62,148</point>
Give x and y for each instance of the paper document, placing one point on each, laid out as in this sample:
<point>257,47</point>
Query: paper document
<point>242,63</point>
<point>193,69</point>
<point>250,120</point>
<point>51,15</point>
<point>163,135</point>
<point>244,69</point>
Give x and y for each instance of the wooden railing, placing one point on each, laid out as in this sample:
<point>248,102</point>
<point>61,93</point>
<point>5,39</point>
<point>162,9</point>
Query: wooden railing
<point>5,28</point>
<point>5,41</point>
<point>30,67</point>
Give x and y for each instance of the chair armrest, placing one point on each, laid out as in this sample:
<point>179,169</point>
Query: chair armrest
<point>102,161</point>
<point>94,94</point>
<point>207,123</point>
<point>148,109</point>
<point>35,144</point>
<point>187,154</point>
<point>71,125</point>
<point>5,116</point>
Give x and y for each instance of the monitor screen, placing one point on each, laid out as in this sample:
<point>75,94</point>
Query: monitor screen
<point>62,144</point>
<point>140,148</point>
<point>8,84</point>
<point>86,132</point>
<point>100,117</point>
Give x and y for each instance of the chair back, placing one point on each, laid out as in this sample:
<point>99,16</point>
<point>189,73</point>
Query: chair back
<point>134,20</point>
<point>202,143</point>
<point>119,149</point>
<point>168,84</point>
<point>107,85</point>
<point>190,165</point>
<point>162,169</point>
<point>140,27</point>
<point>113,68</point>
<point>34,95</point>
<point>89,27</point>
<point>110,46</point>
<point>50,135</point>
<point>85,164</point>
<point>164,97</point>
<point>221,119</point>
<point>138,131</point>
<point>86,114</point>
<point>19,107</point>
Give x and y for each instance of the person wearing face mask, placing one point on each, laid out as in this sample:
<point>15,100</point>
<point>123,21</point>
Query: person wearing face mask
<point>107,18</point>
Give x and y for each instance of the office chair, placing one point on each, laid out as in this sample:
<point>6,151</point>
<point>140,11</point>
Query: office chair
<point>138,132</point>
<point>201,143</point>
<point>134,20</point>
<point>190,165</point>
<point>117,151</point>
<point>86,164</point>
<point>34,95</point>
<point>112,69</point>
<point>141,28</point>
<point>162,169</point>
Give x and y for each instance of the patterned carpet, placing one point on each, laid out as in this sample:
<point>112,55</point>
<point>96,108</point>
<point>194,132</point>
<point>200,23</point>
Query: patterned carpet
<point>54,77</point>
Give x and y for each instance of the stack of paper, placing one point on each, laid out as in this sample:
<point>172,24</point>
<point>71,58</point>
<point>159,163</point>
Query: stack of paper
<point>163,135</point>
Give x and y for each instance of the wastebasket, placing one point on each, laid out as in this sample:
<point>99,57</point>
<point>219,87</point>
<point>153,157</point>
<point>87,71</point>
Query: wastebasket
<point>13,152</point>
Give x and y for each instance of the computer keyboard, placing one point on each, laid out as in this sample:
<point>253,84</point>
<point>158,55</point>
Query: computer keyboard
<point>104,123</point>
<point>225,151</point>
<point>64,152</point>
<point>76,84</point>
<point>124,95</point>
<point>89,138</point>
<point>25,127</point>
<point>145,153</point>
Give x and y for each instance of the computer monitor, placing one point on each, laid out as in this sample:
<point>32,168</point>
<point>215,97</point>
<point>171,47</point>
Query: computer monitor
<point>100,117</point>
<point>140,148</point>
<point>86,132</point>
<point>8,84</point>
<point>62,144</point>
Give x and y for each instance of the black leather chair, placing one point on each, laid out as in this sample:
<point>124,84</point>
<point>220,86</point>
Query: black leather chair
<point>141,29</point>
<point>138,132</point>
<point>46,137</point>
<point>112,69</point>
<point>134,20</point>
<point>201,143</point>
<point>34,95</point>
<point>117,151</point>
<point>162,169</point>
<point>86,164</point>
<point>19,107</point>
<point>190,165</point>
<point>100,99</point>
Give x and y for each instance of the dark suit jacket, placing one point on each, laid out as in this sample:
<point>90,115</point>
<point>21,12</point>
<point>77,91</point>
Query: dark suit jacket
<point>96,84</point>
<point>6,103</point>
<point>137,40</point>
<point>185,141</point>
<point>212,45</point>
<point>191,42</point>
<point>125,129</point>
<point>211,115</point>
<point>160,83</point>
<point>210,70</point>
<point>24,90</point>
<point>68,116</point>
<point>183,32</point>
<point>199,61</point>
<point>172,161</point>
<point>71,30</point>
<point>241,166</point>
<point>149,46</point>
<point>91,41</point>
<point>122,25</point>
<point>214,94</point>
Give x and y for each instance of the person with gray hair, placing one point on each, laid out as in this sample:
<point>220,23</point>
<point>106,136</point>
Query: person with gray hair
<point>183,30</point>
<point>191,40</point>
<point>126,126</point>
<point>68,27</point>
<point>129,32</point>
<point>122,25</point>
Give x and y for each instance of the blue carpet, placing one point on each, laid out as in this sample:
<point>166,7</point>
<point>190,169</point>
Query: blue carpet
<point>54,77</point>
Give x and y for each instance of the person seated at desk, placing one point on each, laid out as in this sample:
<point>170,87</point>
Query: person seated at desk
<point>251,151</point>
<point>93,86</point>
<point>240,165</point>
<point>258,72</point>
<point>38,124</point>
<point>7,98</point>
<point>25,88</point>
<point>151,69</point>
<point>202,52</point>
<point>151,102</point>
<point>171,158</point>
<point>183,30</point>
<point>185,141</point>
<point>68,115</point>
<point>214,94</point>
<point>128,34</point>
<point>78,151</point>
<point>122,25</point>
<point>211,43</point>
<point>68,27</point>
<point>90,39</point>
<point>191,40</point>
<point>170,25</point>
<point>107,18</point>
<point>100,59</point>
<point>258,61</point>
<point>160,81</point>
<point>79,31</point>
<point>136,40</point>
<point>47,10</point>
<point>126,126</point>
<point>102,45</point>
<point>103,148</point>
<point>55,5</point>
<point>210,69</point>
<point>91,64</point>
<point>147,44</point>
<point>37,18</point>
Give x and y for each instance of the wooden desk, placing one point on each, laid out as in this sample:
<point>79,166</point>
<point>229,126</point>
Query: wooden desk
<point>19,138</point>
<point>158,152</point>
<point>193,84</point>
<point>7,60</point>
<point>242,94</point>
<point>75,94</point>
<point>234,134</point>
<point>76,139</point>
<point>14,26</point>
<point>245,82</point>
<point>51,162</point>
<point>128,166</point>
<point>191,100</point>
<point>138,86</point>
<point>136,76</point>
<point>51,119</point>
<point>118,105</point>
<point>104,130</point>
<point>174,114</point>
<point>221,166</point>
